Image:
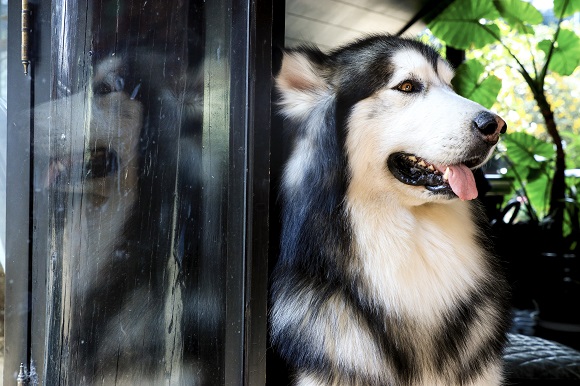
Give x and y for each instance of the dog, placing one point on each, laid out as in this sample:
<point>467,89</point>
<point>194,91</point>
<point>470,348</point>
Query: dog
<point>384,276</point>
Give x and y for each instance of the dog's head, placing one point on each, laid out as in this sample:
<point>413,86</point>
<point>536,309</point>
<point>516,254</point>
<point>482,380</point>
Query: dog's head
<point>396,115</point>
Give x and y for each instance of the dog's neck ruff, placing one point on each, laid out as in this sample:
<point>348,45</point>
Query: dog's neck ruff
<point>420,254</point>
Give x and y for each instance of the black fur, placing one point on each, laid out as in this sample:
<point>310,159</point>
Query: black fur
<point>316,244</point>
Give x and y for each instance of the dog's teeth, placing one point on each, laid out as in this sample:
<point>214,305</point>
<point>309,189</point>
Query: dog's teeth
<point>446,174</point>
<point>412,158</point>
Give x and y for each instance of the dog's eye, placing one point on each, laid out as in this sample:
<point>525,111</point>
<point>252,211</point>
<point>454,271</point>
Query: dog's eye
<point>406,86</point>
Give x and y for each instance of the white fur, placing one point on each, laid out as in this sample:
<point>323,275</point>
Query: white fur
<point>433,255</point>
<point>417,252</point>
<point>302,86</point>
<point>434,125</point>
<point>304,148</point>
<point>351,336</point>
<point>490,378</point>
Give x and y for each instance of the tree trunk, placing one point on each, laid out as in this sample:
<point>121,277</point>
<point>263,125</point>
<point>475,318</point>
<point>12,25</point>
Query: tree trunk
<point>558,189</point>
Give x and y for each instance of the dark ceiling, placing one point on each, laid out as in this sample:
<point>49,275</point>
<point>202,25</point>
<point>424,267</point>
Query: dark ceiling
<point>328,23</point>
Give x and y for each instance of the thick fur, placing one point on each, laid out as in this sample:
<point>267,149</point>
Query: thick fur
<point>379,282</point>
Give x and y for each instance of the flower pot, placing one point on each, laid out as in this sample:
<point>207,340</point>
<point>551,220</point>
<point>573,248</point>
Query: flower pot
<point>558,297</point>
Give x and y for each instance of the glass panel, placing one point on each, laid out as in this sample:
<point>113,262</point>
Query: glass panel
<point>131,163</point>
<point>3,139</point>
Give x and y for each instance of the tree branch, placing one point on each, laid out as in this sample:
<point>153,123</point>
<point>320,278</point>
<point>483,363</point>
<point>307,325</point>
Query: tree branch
<point>552,46</point>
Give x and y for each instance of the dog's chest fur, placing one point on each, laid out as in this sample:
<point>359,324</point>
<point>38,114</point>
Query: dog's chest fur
<point>417,260</point>
<point>425,271</point>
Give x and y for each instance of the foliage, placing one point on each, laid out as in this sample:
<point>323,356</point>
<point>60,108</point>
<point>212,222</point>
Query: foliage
<point>469,24</point>
<point>469,83</point>
<point>515,102</point>
<point>459,24</point>
<point>531,162</point>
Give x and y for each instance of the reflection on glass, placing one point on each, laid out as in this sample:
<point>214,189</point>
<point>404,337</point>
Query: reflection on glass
<point>3,50</point>
<point>3,138</point>
<point>131,157</point>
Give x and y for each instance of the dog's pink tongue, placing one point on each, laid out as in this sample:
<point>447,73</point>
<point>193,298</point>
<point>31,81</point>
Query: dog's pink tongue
<point>462,182</point>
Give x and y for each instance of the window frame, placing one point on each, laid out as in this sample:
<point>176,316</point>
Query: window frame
<point>250,29</point>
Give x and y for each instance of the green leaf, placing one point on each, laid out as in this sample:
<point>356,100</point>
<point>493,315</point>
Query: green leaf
<point>470,83</point>
<point>459,25</point>
<point>523,147</point>
<point>539,173</point>
<point>566,55</point>
<point>519,14</point>
<point>538,192</point>
<point>523,150</point>
<point>572,6</point>
<point>518,172</point>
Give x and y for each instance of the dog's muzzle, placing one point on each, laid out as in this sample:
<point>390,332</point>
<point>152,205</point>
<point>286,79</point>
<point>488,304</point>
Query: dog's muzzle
<point>449,180</point>
<point>98,163</point>
<point>415,171</point>
<point>455,180</point>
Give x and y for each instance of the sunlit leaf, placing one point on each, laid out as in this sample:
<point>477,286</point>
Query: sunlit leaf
<point>533,175</point>
<point>523,147</point>
<point>470,83</point>
<point>538,191</point>
<point>566,55</point>
<point>519,14</point>
<point>460,24</point>
<point>572,6</point>
<point>518,172</point>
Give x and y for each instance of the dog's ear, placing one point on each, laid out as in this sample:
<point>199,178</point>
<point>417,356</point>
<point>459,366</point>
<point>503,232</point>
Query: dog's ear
<point>300,72</point>
<point>301,81</point>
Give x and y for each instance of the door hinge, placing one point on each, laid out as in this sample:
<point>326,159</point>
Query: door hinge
<point>24,53</point>
<point>26,377</point>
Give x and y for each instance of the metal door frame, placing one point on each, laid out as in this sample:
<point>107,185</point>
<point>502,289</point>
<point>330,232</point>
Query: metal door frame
<point>251,55</point>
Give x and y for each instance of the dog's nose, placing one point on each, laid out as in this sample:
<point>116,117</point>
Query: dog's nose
<point>490,126</point>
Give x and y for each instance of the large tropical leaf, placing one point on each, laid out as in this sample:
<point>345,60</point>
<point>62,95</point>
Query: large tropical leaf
<point>463,24</point>
<point>519,14</point>
<point>518,172</point>
<point>538,192</point>
<point>470,83</point>
<point>522,149</point>
<point>566,55</point>
<point>532,161</point>
<point>572,6</point>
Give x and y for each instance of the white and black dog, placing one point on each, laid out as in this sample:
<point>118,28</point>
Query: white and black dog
<point>384,276</point>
